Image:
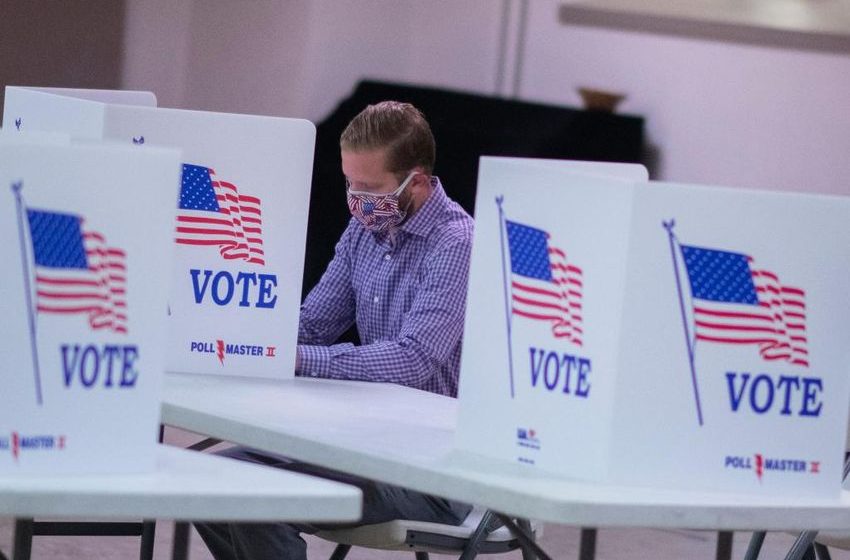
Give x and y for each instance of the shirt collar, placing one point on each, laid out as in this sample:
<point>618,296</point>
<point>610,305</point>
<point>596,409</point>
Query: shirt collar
<point>423,220</point>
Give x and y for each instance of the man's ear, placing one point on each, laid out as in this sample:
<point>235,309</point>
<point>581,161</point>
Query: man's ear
<point>422,179</point>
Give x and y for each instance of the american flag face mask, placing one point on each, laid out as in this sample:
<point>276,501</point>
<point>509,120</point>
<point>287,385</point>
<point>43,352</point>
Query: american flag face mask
<point>377,212</point>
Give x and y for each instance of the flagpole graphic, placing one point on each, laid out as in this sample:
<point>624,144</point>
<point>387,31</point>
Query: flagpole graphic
<point>16,189</point>
<point>499,201</point>
<point>669,227</point>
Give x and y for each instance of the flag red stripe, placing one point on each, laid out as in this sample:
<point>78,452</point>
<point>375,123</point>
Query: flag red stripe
<point>201,220</point>
<point>701,336</point>
<point>71,295</point>
<point>537,315</point>
<point>535,303</point>
<point>732,314</point>
<point>729,327</point>
<point>201,241</point>
<point>66,281</point>
<point>204,231</point>
<point>66,310</point>
<point>535,290</point>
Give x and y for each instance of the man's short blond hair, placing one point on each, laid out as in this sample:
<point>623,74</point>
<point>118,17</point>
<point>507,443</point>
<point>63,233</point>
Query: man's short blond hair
<point>400,128</point>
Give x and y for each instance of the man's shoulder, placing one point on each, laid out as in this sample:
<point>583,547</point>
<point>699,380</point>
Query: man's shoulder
<point>354,232</point>
<point>453,227</point>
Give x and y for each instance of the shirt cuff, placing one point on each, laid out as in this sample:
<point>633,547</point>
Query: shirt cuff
<point>313,360</point>
<point>316,361</point>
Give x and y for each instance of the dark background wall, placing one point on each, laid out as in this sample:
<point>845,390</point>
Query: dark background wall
<point>77,44</point>
<point>466,126</point>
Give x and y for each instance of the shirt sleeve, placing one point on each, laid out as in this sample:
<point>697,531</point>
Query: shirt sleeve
<point>430,332</point>
<point>328,310</point>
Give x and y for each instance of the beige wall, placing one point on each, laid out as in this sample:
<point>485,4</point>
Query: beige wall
<point>156,48</point>
<point>299,57</point>
<point>716,112</point>
<point>70,44</point>
<point>722,113</point>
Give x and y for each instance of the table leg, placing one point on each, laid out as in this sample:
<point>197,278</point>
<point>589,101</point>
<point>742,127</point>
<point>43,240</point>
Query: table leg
<point>180,547</point>
<point>587,545</point>
<point>148,534</point>
<point>724,545</point>
<point>22,547</point>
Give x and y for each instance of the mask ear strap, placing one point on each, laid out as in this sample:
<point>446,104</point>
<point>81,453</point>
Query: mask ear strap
<point>406,182</point>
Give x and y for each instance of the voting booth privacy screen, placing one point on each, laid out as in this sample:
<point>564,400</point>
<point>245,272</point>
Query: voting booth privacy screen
<point>87,251</point>
<point>657,334</point>
<point>240,226</point>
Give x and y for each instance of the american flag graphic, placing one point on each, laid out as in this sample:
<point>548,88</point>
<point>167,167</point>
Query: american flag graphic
<point>544,286</point>
<point>736,303</point>
<point>77,272</point>
<point>214,212</point>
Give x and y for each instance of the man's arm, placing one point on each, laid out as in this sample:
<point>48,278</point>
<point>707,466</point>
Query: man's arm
<point>430,332</point>
<point>328,310</point>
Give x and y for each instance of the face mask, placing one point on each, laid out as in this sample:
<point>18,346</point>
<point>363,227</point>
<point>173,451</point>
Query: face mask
<point>378,212</point>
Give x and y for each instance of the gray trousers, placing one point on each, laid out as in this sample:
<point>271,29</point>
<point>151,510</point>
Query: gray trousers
<point>282,541</point>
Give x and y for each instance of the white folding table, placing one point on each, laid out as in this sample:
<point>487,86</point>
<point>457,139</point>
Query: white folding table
<point>184,486</point>
<point>403,436</point>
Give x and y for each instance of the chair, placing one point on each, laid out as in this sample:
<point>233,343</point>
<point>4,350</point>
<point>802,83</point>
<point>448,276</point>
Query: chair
<point>468,539</point>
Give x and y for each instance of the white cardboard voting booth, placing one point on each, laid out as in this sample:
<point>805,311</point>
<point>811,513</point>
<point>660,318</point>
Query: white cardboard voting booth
<point>83,314</point>
<point>657,334</point>
<point>241,221</point>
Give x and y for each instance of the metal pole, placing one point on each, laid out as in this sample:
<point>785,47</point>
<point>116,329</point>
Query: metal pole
<point>519,53</point>
<point>754,547</point>
<point>148,535</point>
<point>180,547</point>
<point>724,545</point>
<point>470,551</point>
<point>22,547</point>
<point>587,546</point>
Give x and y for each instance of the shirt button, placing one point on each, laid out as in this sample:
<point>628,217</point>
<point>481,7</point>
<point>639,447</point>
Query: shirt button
<point>376,299</point>
<point>387,257</point>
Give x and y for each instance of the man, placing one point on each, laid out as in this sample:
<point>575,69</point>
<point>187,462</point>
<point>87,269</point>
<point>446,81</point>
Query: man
<point>400,274</point>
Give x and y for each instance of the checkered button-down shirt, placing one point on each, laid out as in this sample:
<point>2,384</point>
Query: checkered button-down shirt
<point>406,291</point>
